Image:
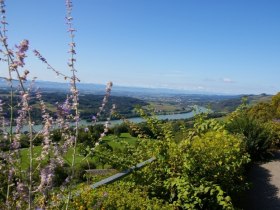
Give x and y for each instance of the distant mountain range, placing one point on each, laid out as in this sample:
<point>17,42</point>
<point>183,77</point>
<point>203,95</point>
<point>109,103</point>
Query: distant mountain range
<point>100,89</point>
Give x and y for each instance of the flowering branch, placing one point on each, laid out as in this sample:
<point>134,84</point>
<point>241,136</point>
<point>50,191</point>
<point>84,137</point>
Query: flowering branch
<point>44,60</point>
<point>74,90</point>
<point>104,102</point>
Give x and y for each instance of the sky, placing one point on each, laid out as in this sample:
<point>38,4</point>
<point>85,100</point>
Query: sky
<point>215,46</point>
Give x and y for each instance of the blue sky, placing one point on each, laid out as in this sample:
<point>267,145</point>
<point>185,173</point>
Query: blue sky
<point>220,46</point>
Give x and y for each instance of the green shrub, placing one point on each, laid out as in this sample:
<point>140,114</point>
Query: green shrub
<point>121,196</point>
<point>119,129</point>
<point>203,171</point>
<point>142,130</point>
<point>257,136</point>
<point>274,127</point>
<point>209,173</point>
<point>60,175</point>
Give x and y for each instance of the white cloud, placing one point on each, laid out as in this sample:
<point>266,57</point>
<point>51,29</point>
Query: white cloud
<point>224,80</point>
<point>227,80</point>
<point>200,87</point>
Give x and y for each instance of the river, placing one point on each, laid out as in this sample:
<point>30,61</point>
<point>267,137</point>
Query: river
<point>135,119</point>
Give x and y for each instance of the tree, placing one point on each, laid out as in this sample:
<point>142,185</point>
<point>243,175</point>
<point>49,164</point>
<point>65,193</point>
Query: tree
<point>275,102</point>
<point>263,112</point>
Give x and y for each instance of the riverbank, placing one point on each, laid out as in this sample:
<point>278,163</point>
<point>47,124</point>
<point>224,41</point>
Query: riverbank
<point>187,115</point>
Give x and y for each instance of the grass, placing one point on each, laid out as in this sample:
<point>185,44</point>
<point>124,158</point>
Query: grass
<point>112,140</point>
<point>37,150</point>
<point>79,158</point>
<point>24,153</point>
<point>115,141</point>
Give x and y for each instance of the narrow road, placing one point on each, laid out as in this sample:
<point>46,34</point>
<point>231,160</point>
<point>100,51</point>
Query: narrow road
<point>265,192</point>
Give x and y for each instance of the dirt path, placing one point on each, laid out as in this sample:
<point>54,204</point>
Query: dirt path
<point>265,192</point>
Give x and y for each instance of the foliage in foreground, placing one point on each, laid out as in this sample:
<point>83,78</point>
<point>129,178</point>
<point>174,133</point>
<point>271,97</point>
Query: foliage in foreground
<point>258,125</point>
<point>203,171</point>
<point>122,195</point>
<point>257,136</point>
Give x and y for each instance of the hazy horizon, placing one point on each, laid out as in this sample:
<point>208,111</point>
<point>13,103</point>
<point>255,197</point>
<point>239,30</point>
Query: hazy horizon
<point>122,88</point>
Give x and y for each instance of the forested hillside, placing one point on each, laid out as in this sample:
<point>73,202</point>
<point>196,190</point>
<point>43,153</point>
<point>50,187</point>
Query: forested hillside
<point>89,104</point>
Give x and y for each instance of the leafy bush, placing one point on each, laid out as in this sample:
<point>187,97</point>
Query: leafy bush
<point>262,112</point>
<point>210,170</point>
<point>274,127</point>
<point>142,130</point>
<point>275,103</point>
<point>60,175</point>
<point>203,171</point>
<point>257,136</point>
<point>123,196</point>
<point>122,128</point>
